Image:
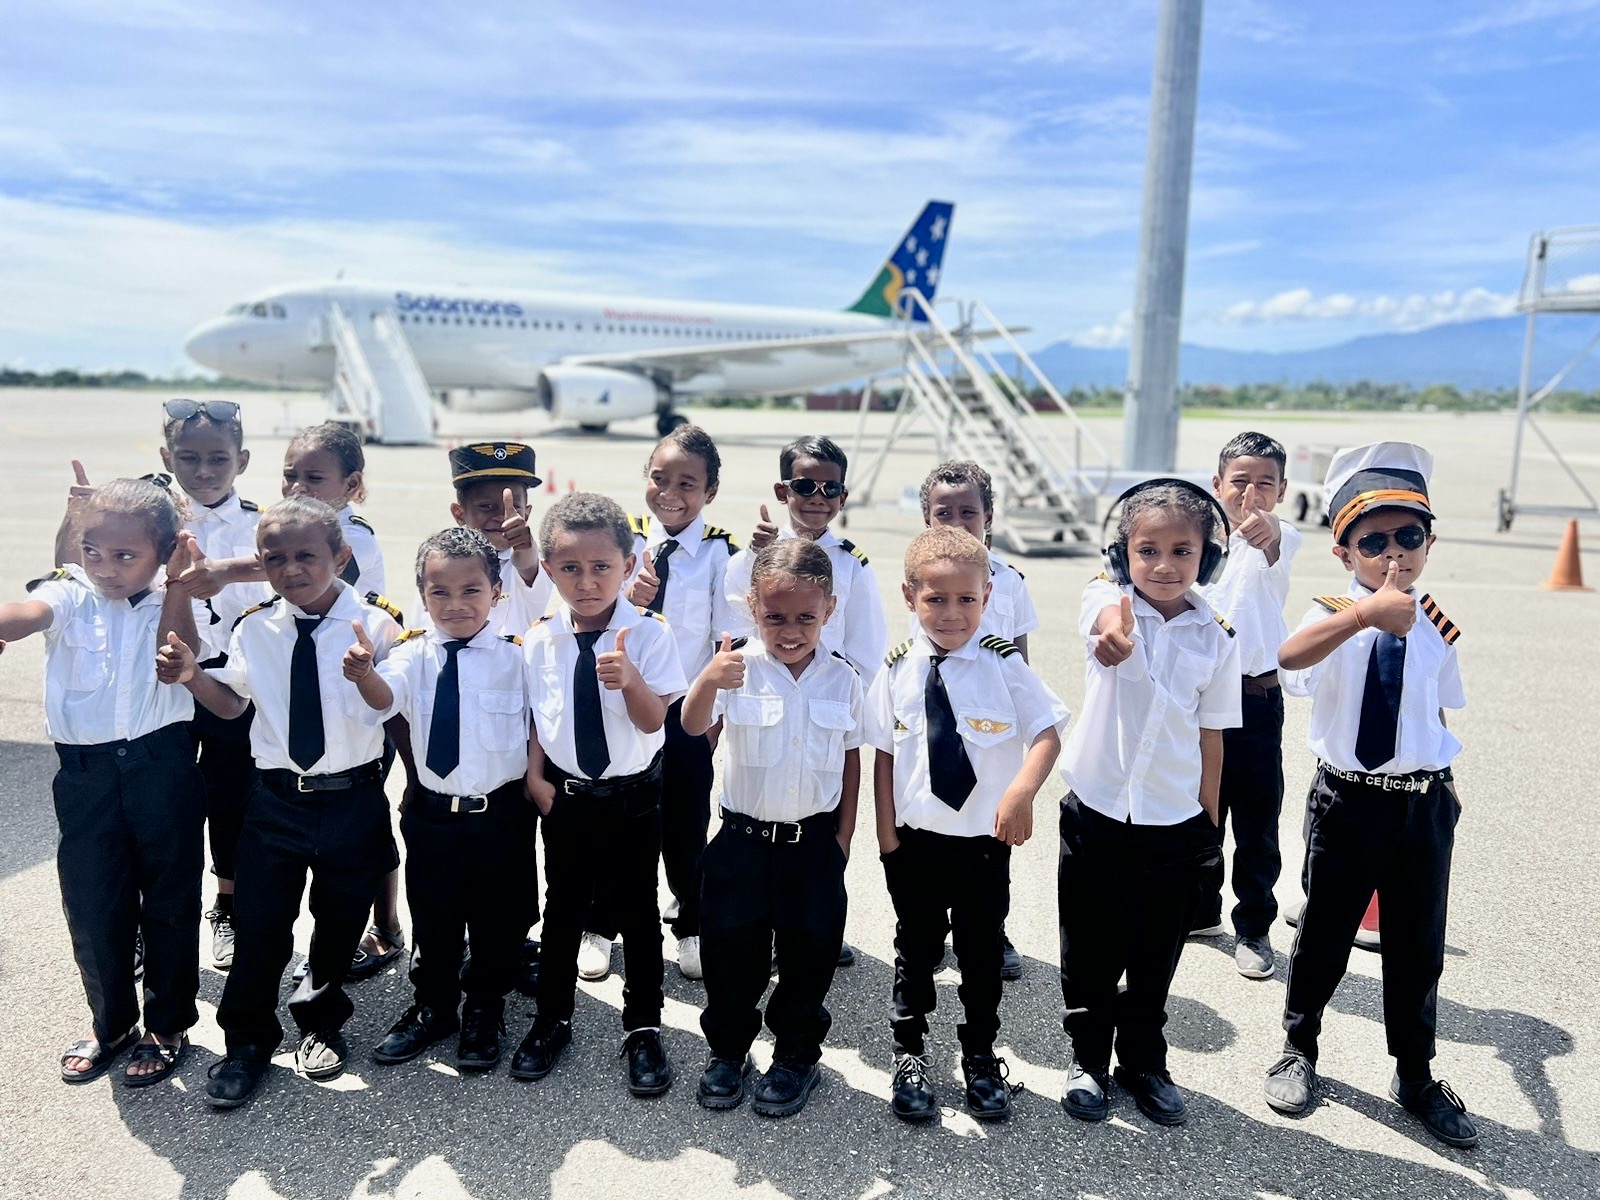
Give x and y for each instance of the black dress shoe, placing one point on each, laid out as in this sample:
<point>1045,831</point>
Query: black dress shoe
<point>911,1098</point>
<point>1433,1103</point>
<point>784,1090</point>
<point>233,1081</point>
<point>1155,1094</point>
<point>649,1072</point>
<point>536,1056</point>
<point>1010,960</point>
<point>847,954</point>
<point>1086,1096</point>
<point>528,970</point>
<point>723,1084</point>
<point>1291,1083</point>
<point>482,1027</point>
<point>416,1030</point>
<point>988,1093</point>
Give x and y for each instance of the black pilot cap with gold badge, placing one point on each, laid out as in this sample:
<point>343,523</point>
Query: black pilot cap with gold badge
<point>1380,475</point>
<point>511,461</point>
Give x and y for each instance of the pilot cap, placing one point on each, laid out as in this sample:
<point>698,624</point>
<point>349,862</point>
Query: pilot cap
<point>1380,475</point>
<point>511,461</point>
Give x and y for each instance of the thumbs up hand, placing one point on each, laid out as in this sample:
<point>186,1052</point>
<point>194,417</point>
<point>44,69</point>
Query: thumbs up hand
<point>195,572</point>
<point>81,489</point>
<point>358,659</point>
<point>175,663</point>
<point>766,531</point>
<point>726,668</point>
<point>1391,608</point>
<point>1114,644</point>
<point>614,668</point>
<point>1261,529</point>
<point>645,584</point>
<point>514,526</point>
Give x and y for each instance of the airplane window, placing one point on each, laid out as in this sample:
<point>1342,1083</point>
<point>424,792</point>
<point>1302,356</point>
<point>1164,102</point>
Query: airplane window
<point>458,320</point>
<point>562,325</point>
<point>578,325</point>
<point>258,310</point>
<point>277,311</point>
<point>430,320</point>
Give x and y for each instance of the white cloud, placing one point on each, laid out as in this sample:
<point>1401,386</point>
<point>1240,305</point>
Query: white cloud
<point>1106,336</point>
<point>1415,311</point>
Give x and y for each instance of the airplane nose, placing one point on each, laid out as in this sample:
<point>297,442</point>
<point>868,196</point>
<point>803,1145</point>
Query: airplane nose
<point>205,343</point>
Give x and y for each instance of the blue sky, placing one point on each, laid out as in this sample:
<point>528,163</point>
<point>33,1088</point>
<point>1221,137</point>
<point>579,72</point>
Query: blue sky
<point>1360,167</point>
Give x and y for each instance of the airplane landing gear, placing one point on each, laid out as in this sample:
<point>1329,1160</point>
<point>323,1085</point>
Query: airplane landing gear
<point>668,421</point>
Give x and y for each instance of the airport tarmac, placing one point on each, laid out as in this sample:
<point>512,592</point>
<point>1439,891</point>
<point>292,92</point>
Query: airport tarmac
<point>1519,1006</point>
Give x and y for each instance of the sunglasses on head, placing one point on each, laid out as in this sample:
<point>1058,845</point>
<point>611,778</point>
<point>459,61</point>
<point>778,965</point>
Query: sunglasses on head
<point>212,410</point>
<point>1408,537</point>
<point>831,489</point>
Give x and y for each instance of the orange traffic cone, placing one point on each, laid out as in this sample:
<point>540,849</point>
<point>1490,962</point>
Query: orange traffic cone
<point>550,484</point>
<point>1567,574</point>
<point>572,485</point>
<point>1367,933</point>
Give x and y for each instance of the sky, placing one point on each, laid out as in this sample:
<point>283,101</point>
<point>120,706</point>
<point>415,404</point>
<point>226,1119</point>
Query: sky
<point>1360,167</point>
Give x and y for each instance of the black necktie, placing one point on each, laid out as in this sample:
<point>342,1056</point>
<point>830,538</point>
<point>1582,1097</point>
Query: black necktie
<point>662,568</point>
<point>949,768</point>
<point>1380,701</point>
<point>588,719</point>
<point>444,731</point>
<point>306,738</point>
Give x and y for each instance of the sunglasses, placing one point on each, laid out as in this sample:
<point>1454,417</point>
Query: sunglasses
<point>831,489</point>
<point>1409,537</point>
<point>212,410</point>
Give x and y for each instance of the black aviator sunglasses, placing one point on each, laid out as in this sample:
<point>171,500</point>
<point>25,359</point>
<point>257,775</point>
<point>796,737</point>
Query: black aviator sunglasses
<point>831,489</point>
<point>212,410</point>
<point>1408,537</point>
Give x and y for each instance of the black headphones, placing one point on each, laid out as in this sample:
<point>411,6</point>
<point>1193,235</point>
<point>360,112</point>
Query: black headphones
<point>1211,558</point>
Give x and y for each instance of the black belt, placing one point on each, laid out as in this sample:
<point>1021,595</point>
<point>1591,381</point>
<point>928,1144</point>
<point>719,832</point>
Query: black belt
<point>339,781</point>
<point>782,833</point>
<point>601,789</point>
<point>438,802</point>
<point>1416,781</point>
<point>1263,684</point>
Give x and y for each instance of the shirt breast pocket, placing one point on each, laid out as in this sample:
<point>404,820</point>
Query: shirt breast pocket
<point>985,728</point>
<point>754,734</point>
<point>907,725</point>
<point>89,655</point>
<point>500,719</point>
<point>1190,673</point>
<point>554,685</point>
<point>830,721</point>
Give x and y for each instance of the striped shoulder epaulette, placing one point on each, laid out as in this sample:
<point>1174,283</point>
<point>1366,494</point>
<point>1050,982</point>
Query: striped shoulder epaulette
<point>1447,628</point>
<point>249,505</point>
<point>853,550</point>
<point>845,661</point>
<point>1335,603</point>
<point>364,523</point>
<point>546,617</point>
<point>512,638</point>
<point>1223,621</point>
<point>409,634</point>
<point>899,652</point>
<point>649,612</point>
<point>713,533</point>
<point>58,573</point>
<point>1001,646</point>
<point>262,607</point>
<point>639,525</point>
<point>1103,577</point>
<point>387,605</point>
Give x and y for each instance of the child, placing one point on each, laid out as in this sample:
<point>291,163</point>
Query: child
<point>318,805</point>
<point>128,798</point>
<point>1251,593</point>
<point>1139,823</point>
<point>1383,805</point>
<point>812,486</point>
<point>468,825</point>
<point>776,868</point>
<point>204,449</point>
<point>602,673</point>
<point>961,494</point>
<point>966,735</point>
<point>681,562</point>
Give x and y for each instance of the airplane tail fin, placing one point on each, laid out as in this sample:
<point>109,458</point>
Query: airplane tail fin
<point>914,263</point>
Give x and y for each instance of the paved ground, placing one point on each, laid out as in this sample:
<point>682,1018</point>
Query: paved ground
<point>1519,1013</point>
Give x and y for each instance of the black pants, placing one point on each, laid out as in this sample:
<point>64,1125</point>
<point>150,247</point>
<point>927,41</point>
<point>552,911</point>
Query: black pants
<point>757,891</point>
<point>131,854</point>
<point>591,844</point>
<point>1397,843</point>
<point>466,875</point>
<point>343,839</point>
<point>958,885</point>
<point>1251,800</point>
<point>1127,899</point>
<point>229,772</point>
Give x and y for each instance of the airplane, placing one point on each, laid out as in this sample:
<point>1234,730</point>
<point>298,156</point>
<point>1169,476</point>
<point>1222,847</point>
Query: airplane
<point>586,360</point>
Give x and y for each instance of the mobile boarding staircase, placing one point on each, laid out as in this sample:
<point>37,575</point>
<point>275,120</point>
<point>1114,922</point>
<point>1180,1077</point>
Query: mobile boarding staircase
<point>378,388</point>
<point>1049,471</point>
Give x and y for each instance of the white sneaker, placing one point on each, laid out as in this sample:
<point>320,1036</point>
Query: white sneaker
<point>1209,931</point>
<point>689,957</point>
<point>594,957</point>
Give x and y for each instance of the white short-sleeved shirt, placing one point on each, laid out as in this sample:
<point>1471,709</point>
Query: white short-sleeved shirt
<point>1251,594</point>
<point>494,706</point>
<point>365,573</point>
<point>1000,705</point>
<point>1010,613</point>
<point>1135,753</point>
<point>259,658</point>
<point>520,604</point>
<point>695,606</point>
<point>100,662</point>
<point>1432,681</point>
<point>787,737</point>
<point>228,530</point>
<point>550,652</point>
<point>856,629</point>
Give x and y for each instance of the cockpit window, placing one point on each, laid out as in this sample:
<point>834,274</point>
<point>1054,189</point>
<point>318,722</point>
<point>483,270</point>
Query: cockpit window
<point>258,310</point>
<point>278,312</point>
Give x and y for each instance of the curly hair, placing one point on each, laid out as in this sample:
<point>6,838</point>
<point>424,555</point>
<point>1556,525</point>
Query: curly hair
<point>340,442</point>
<point>144,499</point>
<point>461,542</point>
<point>958,474</point>
<point>584,512</point>
<point>944,543</point>
<point>692,439</point>
<point>307,513</point>
<point>792,559</point>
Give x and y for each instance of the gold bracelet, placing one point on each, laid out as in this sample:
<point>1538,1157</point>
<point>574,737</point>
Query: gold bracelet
<point>1356,608</point>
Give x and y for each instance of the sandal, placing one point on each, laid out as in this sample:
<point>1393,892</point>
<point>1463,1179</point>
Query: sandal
<point>365,964</point>
<point>167,1057</point>
<point>99,1055</point>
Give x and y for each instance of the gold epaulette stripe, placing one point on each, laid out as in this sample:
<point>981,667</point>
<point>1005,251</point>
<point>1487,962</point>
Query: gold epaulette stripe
<point>58,573</point>
<point>1001,646</point>
<point>852,549</point>
<point>1103,576</point>
<point>512,638</point>
<point>387,605</point>
<point>1335,603</point>
<point>714,532</point>
<point>364,523</point>
<point>1447,628</point>
<point>249,505</point>
<point>262,607</point>
<point>639,525</point>
<point>898,653</point>
<point>409,634</point>
<point>1223,621</point>
<point>647,612</point>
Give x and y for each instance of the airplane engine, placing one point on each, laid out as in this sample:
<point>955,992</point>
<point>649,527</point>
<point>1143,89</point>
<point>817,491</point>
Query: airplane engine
<point>592,397</point>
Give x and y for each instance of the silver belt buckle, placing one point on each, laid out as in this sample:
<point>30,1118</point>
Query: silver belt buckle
<point>456,803</point>
<point>300,784</point>
<point>567,788</point>
<point>795,825</point>
<point>1423,785</point>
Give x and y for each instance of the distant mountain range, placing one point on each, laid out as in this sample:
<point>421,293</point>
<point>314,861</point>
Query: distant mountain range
<point>1471,354</point>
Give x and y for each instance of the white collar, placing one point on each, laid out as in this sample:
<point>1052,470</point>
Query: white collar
<point>923,645</point>
<point>688,538</point>
<point>344,605</point>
